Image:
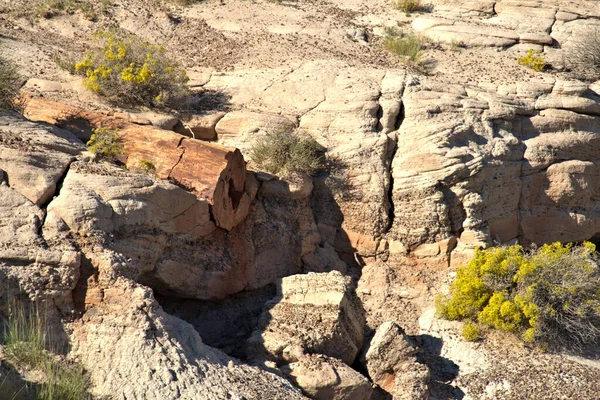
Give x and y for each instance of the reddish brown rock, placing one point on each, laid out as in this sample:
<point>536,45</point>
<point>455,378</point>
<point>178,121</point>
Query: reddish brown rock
<point>210,171</point>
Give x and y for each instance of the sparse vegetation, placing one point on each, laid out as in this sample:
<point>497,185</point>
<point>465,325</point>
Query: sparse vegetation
<point>147,166</point>
<point>550,296</point>
<point>584,56</point>
<point>52,8</point>
<point>284,153</point>
<point>10,83</point>
<point>105,144</point>
<point>409,47</point>
<point>132,72</point>
<point>26,345</point>
<point>533,59</point>
<point>408,6</point>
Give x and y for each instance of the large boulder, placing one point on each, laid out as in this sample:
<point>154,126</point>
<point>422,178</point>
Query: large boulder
<point>311,314</point>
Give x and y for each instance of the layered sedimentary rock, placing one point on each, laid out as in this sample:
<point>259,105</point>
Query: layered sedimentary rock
<point>312,313</point>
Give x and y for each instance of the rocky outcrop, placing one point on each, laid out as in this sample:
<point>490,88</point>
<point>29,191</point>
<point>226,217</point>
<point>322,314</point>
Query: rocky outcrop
<point>311,314</point>
<point>211,172</point>
<point>390,360</point>
<point>133,349</point>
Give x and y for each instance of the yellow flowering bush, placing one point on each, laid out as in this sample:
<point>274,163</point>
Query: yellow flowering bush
<point>533,59</point>
<point>132,72</point>
<point>105,144</point>
<point>549,296</point>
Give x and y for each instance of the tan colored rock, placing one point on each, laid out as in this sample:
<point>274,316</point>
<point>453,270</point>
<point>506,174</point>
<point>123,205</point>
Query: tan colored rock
<point>34,157</point>
<point>133,349</point>
<point>312,313</point>
<point>201,127</point>
<point>391,363</point>
<point>324,378</point>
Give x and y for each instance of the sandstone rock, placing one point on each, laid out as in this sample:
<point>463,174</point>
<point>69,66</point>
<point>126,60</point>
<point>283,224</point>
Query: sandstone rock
<point>324,378</point>
<point>111,200</point>
<point>390,361</point>
<point>34,157</point>
<point>243,125</point>
<point>313,313</point>
<point>133,349</point>
<point>201,127</point>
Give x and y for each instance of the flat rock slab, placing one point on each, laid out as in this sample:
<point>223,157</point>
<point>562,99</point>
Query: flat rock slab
<point>34,157</point>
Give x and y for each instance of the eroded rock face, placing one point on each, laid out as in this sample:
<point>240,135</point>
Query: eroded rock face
<point>324,378</point>
<point>391,363</point>
<point>133,349</point>
<point>312,313</point>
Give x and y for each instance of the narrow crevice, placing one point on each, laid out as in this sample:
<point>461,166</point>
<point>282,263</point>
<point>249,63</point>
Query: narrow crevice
<point>390,192</point>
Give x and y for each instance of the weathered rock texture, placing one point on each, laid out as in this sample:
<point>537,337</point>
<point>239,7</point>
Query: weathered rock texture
<point>133,349</point>
<point>324,378</point>
<point>311,314</point>
<point>211,172</point>
<point>390,361</point>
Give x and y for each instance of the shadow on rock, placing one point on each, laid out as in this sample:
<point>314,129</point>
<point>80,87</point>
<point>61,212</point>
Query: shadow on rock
<point>442,370</point>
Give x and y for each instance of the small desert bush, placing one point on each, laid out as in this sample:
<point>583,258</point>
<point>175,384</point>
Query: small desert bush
<point>10,83</point>
<point>105,144</point>
<point>550,296</point>
<point>409,47</point>
<point>284,153</point>
<point>408,6</point>
<point>533,59</point>
<point>132,72</point>
<point>584,55</point>
<point>63,382</point>
<point>147,166</point>
<point>471,332</point>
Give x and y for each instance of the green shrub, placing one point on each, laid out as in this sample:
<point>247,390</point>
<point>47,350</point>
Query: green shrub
<point>10,83</point>
<point>408,6</point>
<point>105,144</point>
<point>131,72</point>
<point>284,153</point>
<point>533,59</point>
<point>549,296</point>
<point>471,332</point>
<point>409,47</point>
<point>63,382</point>
<point>147,166</point>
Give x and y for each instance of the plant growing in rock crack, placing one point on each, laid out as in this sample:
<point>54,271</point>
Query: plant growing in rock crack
<point>132,72</point>
<point>285,153</point>
<point>10,83</point>
<point>147,166</point>
<point>105,144</point>
<point>549,296</point>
